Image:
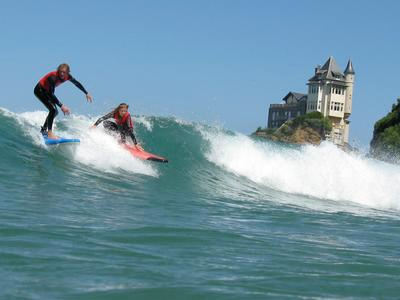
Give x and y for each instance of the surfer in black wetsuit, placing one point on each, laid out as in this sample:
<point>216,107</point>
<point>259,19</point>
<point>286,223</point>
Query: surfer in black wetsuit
<point>44,91</point>
<point>119,120</point>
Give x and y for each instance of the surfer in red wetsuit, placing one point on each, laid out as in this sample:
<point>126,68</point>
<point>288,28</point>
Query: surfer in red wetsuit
<point>44,91</point>
<point>119,120</point>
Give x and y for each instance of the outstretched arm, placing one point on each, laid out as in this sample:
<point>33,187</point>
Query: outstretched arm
<point>133,137</point>
<point>135,141</point>
<point>107,116</point>
<point>89,98</point>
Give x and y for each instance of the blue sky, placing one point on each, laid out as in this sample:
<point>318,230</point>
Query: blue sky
<point>219,62</point>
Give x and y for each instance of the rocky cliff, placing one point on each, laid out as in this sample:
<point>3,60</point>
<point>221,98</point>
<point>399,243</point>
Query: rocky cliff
<point>306,129</point>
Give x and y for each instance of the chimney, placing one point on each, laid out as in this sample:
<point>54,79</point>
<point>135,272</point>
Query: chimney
<point>317,69</point>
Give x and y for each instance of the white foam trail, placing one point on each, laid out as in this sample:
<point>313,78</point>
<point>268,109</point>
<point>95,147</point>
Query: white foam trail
<point>96,149</point>
<point>324,171</point>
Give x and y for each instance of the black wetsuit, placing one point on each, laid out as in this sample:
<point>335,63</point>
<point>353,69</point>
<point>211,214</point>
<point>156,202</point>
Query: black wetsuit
<point>44,91</point>
<point>124,129</point>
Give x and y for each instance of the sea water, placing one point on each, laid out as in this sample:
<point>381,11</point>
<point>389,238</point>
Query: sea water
<point>229,217</point>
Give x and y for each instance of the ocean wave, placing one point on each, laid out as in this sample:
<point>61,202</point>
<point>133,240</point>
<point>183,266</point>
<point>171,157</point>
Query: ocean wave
<point>214,162</point>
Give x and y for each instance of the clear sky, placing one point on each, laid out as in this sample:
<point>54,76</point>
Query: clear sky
<point>214,61</point>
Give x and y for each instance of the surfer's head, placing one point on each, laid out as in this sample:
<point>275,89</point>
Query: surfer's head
<point>63,70</point>
<point>121,109</point>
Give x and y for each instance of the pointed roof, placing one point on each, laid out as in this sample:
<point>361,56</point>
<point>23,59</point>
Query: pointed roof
<point>349,68</point>
<point>297,96</point>
<point>331,65</point>
<point>330,70</point>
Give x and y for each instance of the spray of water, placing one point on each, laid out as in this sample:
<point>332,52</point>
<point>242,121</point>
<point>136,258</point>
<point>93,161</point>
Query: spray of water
<point>324,171</point>
<point>97,148</point>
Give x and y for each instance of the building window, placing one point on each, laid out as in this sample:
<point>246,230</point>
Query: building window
<point>337,90</point>
<point>337,106</point>
<point>313,89</point>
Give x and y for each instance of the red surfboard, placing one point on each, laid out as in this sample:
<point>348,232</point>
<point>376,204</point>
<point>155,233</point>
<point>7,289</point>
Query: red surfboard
<point>143,154</point>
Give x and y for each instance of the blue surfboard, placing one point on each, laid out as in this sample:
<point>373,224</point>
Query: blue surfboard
<point>61,140</point>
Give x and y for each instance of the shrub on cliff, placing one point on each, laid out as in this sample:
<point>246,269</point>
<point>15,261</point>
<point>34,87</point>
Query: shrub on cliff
<point>385,143</point>
<point>308,128</point>
<point>314,120</point>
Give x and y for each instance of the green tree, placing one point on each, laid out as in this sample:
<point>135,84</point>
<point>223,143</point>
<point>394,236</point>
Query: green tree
<point>385,143</point>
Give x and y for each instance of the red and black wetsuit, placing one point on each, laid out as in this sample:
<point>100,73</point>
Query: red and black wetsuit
<point>124,125</point>
<point>44,91</point>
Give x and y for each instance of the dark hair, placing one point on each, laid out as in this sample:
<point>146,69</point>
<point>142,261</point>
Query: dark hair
<point>120,106</point>
<point>63,66</point>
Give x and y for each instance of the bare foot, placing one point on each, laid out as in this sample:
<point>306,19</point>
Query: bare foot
<point>51,135</point>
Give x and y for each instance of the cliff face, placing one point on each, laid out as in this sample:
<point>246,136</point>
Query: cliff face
<point>307,129</point>
<point>297,136</point>
<point>385,142</point>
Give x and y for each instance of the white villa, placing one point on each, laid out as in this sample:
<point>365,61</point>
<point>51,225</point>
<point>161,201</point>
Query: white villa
<point>330,91</point>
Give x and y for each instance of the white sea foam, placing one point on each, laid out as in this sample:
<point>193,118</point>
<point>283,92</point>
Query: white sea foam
<point>145,122</point>
<point>324,171</point>
<point>96,149</point>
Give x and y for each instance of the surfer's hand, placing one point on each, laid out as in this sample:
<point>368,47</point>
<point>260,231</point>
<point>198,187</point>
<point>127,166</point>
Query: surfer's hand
<point>93,127</point>
<point>89,98</point>
<point>65,110</point>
